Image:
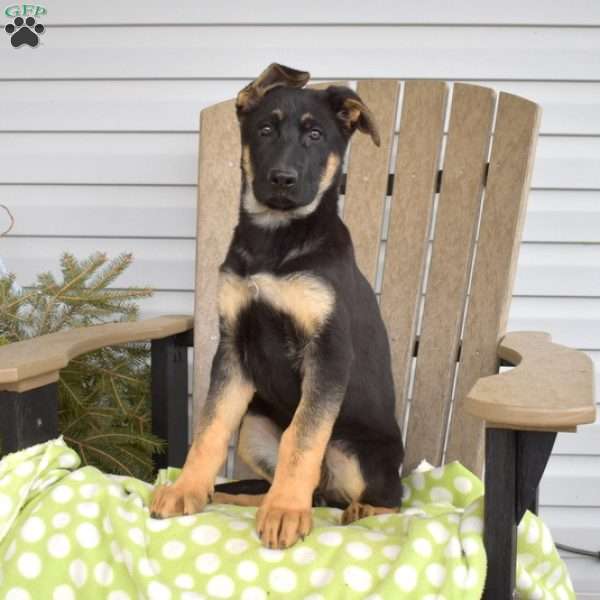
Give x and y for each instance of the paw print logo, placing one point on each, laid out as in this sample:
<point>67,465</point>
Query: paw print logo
<point>24,32</point>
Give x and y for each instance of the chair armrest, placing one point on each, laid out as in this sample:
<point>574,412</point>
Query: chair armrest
<point>551,388</point>
<point>36,362</point>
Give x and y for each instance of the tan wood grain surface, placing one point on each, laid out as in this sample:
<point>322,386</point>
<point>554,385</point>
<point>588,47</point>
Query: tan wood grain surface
<point>368,169</point>
<point>32,363</point>
<point>456,221</point>
<point>417,162</point>
<point>552,387</point>
<point>505,203</point>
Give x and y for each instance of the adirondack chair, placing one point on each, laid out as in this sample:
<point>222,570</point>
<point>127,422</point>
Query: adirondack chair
<point>451,253</point>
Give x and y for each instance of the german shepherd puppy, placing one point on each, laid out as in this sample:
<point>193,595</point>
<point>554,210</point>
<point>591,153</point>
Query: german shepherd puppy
<point>303,360</point>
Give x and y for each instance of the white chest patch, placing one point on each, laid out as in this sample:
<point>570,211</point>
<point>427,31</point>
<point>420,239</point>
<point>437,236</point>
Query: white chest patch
<point>306,298</point>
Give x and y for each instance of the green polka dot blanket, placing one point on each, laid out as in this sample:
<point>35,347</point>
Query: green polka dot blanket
<point>68,532</point>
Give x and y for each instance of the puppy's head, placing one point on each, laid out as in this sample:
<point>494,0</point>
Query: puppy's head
<point>293,142</point>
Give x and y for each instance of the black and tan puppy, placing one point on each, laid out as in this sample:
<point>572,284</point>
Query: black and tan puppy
<point>303,360</point>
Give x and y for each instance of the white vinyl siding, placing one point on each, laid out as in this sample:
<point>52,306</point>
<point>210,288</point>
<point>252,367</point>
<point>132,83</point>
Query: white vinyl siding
<point>98,150</point>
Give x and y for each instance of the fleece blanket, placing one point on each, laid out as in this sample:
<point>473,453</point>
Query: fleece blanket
<point>70,532</point>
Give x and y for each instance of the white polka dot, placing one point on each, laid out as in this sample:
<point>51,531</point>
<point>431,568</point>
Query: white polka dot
<point>422,547</point>
<point>17,593</point>
<point>103,573</point>
<point>440,494</point>
<point>184,581</point>
<point>68,460</point>
<point>282,579</point>
<point>547,544</point>
<point>78,572</point>
<point>533,533</point>
<point>61,494</point>
<point>373,597</point>
<point>383,570</point>
<point>208,563</point>
<point>463,484</point>
<point>118,595</point>
<point>88,490</point>
<point>406,578</point>
<point>391,552</point>
<point>173,550</point>
<point>433,597</point>
<point>238,525</point>
<point>158,524</point>
<point>406,493</point>
<point>541,570</point>
<point>236,545</point>
<point>418,480</point>
<point>6,505</point>
<point>186,520</point>
<point>127,515</point>
<point>59,545</point>
<point>136,535</point>
<point>375,536</point>
<point>357,579</point>
<point>358,550</point>
<point>454,519</point>
<point>24,469</point>
<point>4,481</point>
<point>148,567</point>
<point>88,509</point>
<point>190,596</point>
<point>436,574</point>
<point>525,559</point>
<point>29,565</point>
<point>453,549</point>
<point>158,591</point>
<point>471,546</point>
<point>254,593</point>
<point>561,593</point>
<point>471,524</point>
<point>330,538</point>
<point>87,535</point>
<point>63,592</point>
<point>60,520</point>
<point>554,577</point>
<point>33,529</point>
<point>304,555</point>
<point>314,597</point>
<point>438,532</point>
<point>524,580</point>
<point>247,570</point>
<point>271,555</point>
<point>465,578</point>
<point>321,577</point>
<point>10,551</point>
<point>221,586</point>
<point>537,593</point>
<point>413,512</point>
<point>205,535</point>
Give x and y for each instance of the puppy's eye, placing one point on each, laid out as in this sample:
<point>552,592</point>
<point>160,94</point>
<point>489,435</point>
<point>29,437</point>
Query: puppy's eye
<point>344,115</point>
<point>315,134</point>
<point>266,130</point>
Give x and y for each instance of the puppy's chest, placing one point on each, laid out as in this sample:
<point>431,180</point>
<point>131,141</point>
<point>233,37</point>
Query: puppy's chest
<point>305,298</point>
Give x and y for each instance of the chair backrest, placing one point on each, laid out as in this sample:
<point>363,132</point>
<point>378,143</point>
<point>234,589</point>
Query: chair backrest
<point>436,214</point>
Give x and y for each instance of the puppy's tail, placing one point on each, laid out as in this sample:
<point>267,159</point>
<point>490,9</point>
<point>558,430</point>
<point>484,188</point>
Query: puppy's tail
<point>252,487</point>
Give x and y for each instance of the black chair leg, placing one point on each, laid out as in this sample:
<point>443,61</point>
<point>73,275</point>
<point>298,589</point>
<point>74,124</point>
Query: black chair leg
<point>169,374</point>
<point>514,465</point>
<point>28,418</point>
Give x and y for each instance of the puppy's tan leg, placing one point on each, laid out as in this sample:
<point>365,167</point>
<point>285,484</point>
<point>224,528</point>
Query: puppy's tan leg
<point>229,395</point>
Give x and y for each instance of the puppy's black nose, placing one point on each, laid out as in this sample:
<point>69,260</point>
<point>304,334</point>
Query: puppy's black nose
<point>284,179</point>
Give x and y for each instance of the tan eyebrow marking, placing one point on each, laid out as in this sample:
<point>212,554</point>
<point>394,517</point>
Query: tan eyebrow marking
<point>278,113</point>
<point>306,117</point>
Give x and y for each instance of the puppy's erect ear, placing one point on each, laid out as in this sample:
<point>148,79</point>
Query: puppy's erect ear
<point>352,112</point>
<point>273,76</point>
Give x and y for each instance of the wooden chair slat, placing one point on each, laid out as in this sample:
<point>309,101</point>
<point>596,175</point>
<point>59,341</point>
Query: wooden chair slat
<point>368,169</point>
<point>417,161</point>
<point>456,223</point>
<point>218,206</point>
<point>502,219</point>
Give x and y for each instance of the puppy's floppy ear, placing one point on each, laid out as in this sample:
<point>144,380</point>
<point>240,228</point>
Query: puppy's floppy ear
<point>352,112</point>
<point>273,76</point>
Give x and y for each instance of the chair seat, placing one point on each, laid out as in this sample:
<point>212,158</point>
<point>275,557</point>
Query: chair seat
<point>71,528</point>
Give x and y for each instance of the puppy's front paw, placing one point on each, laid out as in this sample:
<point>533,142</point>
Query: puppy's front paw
<point>281,527</point>
<point>178,499</point>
